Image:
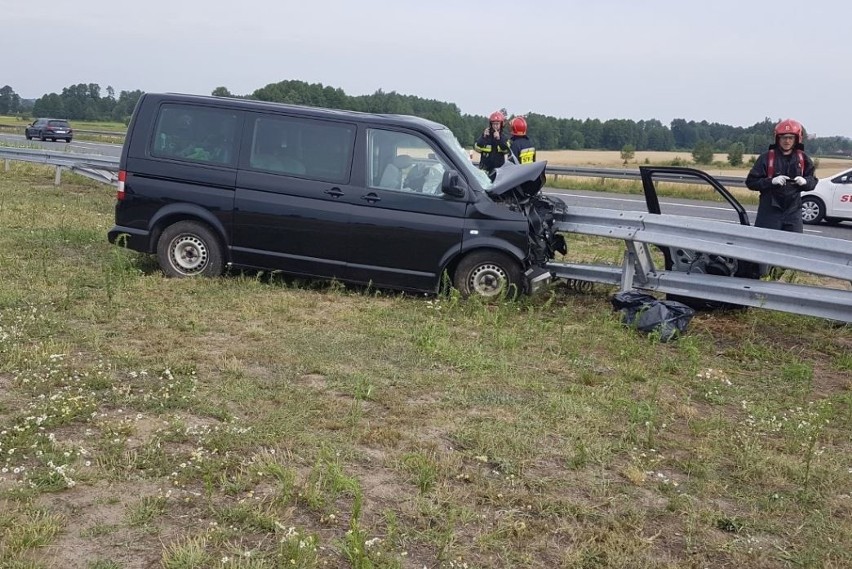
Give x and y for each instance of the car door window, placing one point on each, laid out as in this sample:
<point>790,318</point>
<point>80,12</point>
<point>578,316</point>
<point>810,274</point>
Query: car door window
<point>403,162</point>
<point>312,149</point>
<point>196,134</point>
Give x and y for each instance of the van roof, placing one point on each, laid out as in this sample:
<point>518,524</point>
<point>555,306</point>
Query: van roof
<point>302,110</point>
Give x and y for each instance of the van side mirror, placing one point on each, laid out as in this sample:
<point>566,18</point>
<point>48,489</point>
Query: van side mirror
<point>453,184</point>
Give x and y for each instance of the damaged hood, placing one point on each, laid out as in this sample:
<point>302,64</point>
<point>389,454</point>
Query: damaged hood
<point>527,178</point>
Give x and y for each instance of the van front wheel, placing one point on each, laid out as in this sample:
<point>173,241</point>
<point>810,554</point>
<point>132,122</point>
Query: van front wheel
<point>188,249</point>
<point>488,274</point>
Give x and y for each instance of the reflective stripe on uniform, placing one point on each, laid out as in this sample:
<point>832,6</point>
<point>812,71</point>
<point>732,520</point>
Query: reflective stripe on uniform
<point>527,156</point>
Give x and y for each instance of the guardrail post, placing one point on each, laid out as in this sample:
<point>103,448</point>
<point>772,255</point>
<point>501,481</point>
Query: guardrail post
<point>7,164</point>
<point>58,177</point>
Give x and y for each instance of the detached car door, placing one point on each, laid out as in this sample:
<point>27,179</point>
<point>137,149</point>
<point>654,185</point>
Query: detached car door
<point>290,212</point>
<point>403,229</point>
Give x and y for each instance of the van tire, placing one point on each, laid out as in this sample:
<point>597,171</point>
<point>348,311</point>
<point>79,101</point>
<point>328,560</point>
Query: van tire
<point>489,274</point>
<point>189,249</point>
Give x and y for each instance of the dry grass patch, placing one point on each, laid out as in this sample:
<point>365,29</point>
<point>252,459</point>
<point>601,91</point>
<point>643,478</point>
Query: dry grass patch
<point>612,159</point>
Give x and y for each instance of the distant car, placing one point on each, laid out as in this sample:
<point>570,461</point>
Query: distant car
<point>830,201</point>
<point>52,129</point>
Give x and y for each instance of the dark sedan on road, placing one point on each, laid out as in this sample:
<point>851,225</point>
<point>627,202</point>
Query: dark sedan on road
<point>52,129</point>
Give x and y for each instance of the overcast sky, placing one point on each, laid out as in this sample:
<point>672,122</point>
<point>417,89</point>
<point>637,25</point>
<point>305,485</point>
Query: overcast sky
<point>733,62</point>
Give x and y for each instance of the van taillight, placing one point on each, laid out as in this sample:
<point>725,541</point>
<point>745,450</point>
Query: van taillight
<point>122,175</point>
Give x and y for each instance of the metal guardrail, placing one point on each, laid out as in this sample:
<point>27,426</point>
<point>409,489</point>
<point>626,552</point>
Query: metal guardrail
<point>624,174</point>
<point>100,168</point>
<point>807,253</point>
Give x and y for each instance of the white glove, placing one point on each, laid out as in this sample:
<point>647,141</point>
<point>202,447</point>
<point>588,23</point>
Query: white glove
<point>800,181</point>
<point>780,180</point>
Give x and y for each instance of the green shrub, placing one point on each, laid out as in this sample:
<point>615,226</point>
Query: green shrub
<point>735,154</point>
<point>703,152</point>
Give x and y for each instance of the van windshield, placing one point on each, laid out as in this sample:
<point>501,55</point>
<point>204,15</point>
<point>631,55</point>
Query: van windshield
<point>452,143</point>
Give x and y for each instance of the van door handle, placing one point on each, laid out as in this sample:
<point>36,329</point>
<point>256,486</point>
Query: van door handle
<point>334,192</point>
<point>372,197</point>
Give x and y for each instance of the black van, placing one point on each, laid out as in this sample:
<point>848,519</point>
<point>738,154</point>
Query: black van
<point>208,183</point>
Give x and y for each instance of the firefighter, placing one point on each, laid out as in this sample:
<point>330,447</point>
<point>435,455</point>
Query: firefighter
<point>493,145</point>
<point>781,174</point>
<point>521,146</point>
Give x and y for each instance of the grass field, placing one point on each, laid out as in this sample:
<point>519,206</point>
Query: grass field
<point>254,421</point>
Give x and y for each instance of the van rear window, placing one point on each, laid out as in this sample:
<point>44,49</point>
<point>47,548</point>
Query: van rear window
<point>196,134</point>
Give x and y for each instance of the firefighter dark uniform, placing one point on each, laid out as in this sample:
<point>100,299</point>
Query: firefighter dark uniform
<point>521,146</point>
<point>781,175</point>
<point>492,149</point>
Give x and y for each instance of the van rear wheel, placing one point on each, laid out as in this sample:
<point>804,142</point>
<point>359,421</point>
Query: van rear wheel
<point>488,274</point>
<point>188,249</point>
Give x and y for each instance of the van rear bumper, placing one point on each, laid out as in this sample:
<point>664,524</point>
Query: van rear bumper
<point>136,239</point>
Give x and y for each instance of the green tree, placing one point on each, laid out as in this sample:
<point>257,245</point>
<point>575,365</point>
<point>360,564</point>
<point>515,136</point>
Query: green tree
<point>221,92</point>
<point>660,138</point>
<point>49,106</point>
<point>10,102</point>
<point>703,152</point>
<point>627,152</point>
<point>592,133</point>
<point>616,133</point>
<point>735,154</point>
<point>124,106</point>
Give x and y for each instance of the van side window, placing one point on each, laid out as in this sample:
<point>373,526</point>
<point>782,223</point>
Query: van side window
<point>404,162</point>
<point>302,148</point>
<point>196,134</point>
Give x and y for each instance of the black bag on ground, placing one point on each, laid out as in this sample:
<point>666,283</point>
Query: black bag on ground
<point>647,314</point>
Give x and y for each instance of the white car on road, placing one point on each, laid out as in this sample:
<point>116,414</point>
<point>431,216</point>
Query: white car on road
<point>831,200</point>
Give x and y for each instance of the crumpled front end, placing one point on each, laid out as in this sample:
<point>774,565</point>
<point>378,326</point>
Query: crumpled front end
<point>518,187</point>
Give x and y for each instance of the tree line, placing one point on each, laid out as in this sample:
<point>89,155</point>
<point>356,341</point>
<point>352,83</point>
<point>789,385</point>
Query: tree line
<point>86,102</point>
<point>83,102</point>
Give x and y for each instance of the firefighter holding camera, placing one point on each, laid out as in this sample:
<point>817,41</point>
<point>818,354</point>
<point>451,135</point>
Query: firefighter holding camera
<point>493,145</point>
<point>781,174</point>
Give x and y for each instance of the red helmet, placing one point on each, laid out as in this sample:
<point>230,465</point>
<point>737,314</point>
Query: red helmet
<point>519,126</point>
<point>789,126</point>
<point>496,116</point>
